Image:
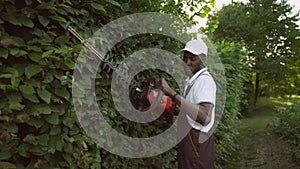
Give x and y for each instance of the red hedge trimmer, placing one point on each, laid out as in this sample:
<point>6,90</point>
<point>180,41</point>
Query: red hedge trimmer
<point>143,98</point>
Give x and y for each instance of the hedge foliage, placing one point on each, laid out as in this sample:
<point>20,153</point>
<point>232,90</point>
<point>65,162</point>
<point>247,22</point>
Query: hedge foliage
<point>39,128</point>
<point>233,57</point>
<point>288,125</point>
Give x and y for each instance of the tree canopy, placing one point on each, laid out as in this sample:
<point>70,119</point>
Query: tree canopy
<point>269,31</point>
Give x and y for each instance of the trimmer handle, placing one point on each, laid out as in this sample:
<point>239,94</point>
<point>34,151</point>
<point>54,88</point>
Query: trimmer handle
<point>144,103</point>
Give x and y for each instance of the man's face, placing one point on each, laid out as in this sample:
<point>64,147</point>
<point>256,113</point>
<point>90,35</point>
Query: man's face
<point>193,62</point>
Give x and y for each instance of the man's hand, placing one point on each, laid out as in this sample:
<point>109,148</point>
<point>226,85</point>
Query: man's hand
<point>164,86</point>
<point>165,103</point>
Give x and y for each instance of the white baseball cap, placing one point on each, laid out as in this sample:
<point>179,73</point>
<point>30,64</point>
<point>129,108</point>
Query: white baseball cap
<point>196,47</point>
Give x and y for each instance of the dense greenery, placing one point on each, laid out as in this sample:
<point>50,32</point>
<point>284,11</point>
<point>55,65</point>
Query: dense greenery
<point>233,57</point>
<point>270,33</point>
<point>288,126</point>
<point>39,128</point>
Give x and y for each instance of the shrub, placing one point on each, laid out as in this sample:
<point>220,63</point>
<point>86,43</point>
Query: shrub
<point>288,125</point>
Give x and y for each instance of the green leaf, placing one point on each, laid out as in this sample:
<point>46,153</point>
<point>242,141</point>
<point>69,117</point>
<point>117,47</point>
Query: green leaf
<point>68,158</point>
<point>16,106</point>
<point>98,7</point>
<point>32,98</point>
<point>58,18</point>
<point>28,2</point>
<point>114,2</point>
<point>43,139</point>
<point>27,22</point>
<point>34,48</point>
<point>26,90</point>
<point>32,70</point>
<point>7,165</point>
<point>47,54</point>
<point>3,53</point>
<point>55,130</point>
<point>17,52</point>
<point>44,94</point>
<point>35,56</point>
<point>62,92</point>
<point>23,150</point>
<point>14,98</point>
<point>62,40</point>
<point>68,148</point>
<point>5,155</point>
<point>10,127</point>
<point>12,19</point>
<point>6,76</point>
<point>52,118</point>
<point>15,82</point>
<point>37,150</point>
<point>43,20</point>
<point>59,143</point>
<point>37,123</point>
<point>48,78</point>
<point>12,71</point>
<point>44,109</point>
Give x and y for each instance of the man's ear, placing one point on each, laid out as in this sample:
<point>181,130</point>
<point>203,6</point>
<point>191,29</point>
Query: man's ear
<point>203,58</point>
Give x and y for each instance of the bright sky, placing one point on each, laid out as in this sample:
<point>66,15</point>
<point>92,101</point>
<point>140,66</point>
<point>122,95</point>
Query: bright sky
<point>219,3</point>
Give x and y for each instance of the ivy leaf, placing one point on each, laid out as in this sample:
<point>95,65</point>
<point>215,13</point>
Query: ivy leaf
<point>98,7</point>
<point>43,20</point>
<point>52,118</point>
<point>44,94</point>
<point>32,70</point>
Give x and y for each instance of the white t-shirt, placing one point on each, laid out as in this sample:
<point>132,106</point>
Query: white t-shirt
<point>203,90</point>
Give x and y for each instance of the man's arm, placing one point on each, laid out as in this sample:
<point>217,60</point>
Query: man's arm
<point>201,113</point>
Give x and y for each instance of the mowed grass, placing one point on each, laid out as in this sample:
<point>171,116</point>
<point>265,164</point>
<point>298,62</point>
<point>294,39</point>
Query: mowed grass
<point>259,145</point>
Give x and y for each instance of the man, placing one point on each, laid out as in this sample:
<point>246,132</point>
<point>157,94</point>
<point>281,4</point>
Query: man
<point>196,150</point>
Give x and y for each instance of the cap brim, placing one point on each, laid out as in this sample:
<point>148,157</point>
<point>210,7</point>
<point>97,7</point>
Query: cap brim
<point>188,50</point>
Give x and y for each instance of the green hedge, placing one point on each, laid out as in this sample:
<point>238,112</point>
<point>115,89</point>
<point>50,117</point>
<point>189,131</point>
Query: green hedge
<point>39,128</point>
<point>233,57</point>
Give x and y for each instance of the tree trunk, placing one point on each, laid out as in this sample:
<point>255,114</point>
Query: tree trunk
<point>256,88</point>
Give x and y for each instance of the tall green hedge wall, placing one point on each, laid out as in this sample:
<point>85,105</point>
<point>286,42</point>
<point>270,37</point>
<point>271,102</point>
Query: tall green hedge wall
<point>38,125</point>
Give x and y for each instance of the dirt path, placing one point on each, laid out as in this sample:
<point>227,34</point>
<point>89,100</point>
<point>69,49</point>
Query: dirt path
<point>259,146</point>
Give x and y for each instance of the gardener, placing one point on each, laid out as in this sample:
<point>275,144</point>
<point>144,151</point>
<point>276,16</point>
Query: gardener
<point>196,150</point>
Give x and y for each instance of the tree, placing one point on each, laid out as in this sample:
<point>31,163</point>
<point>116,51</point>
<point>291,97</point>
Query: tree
<point>270,33</point>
